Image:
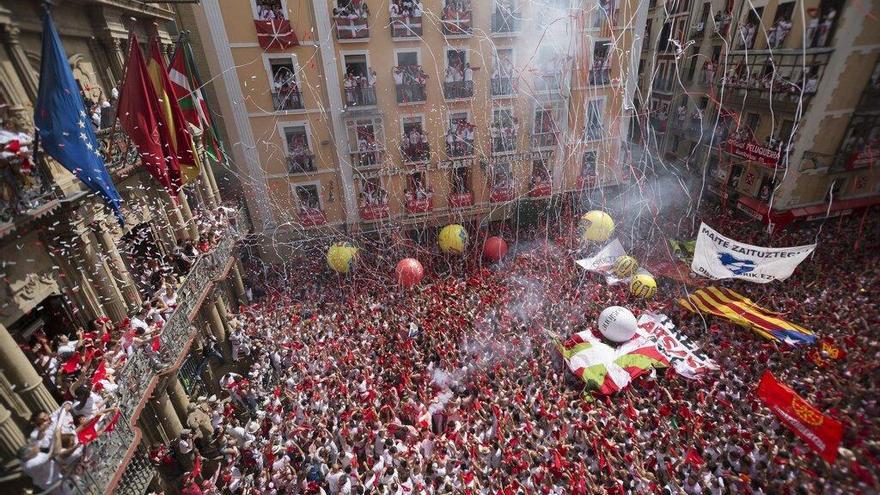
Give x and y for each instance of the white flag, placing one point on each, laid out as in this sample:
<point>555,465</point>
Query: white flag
<point>719,257</point>
<point>603,262</point>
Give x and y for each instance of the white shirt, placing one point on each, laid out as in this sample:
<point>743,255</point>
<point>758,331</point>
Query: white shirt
<point>44,470</point>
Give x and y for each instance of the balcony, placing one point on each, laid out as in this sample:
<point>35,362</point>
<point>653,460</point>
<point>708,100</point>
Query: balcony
<point>367,158</point>
<point>311,217</point>
<point>600,76</point>
<point>458,89</point>
<point>415,153</point>
<point>541,188</point>
<point>290,99</point>
<point>457,23</point>
<point>548,82</point>
<point>504,140</point>
<point>403,27</point>
<point>25,190</point>
<point>504,22</point>
<point>420,202</point>
<point>360,96</point>
<point>411,93</point>
<point>352,29</point>
<point>502,86</point>
<point>459,148</point>
<point>544,139</point>
<point>105,456</point>
<point>372,212</point>
<point>302,163</point>
<point>502,193</point>
<point>461,200</point>
<point>120,154</point>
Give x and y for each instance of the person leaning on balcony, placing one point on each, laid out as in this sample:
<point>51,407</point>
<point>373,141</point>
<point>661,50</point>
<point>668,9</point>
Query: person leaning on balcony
<point>42,467</point>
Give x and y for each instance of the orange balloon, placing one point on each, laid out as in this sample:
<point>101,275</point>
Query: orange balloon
<point>494,249</point>
<point>409,272</point>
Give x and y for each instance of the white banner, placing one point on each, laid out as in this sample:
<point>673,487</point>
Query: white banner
<point>718,257</point>
<point>684,356</point>
<point>603,262</point>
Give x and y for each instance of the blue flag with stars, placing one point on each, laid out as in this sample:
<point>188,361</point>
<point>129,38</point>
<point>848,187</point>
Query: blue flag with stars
<point>63,126</point>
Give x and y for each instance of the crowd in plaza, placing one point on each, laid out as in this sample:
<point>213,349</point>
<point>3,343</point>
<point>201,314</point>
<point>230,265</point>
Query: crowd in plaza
<point>351,385</point>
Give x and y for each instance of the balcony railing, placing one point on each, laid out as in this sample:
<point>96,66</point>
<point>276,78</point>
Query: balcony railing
<point>406,26</point>
<point>411,93</point>
<point>420,202</point>
<point>461,200</point>
<point>457,23</point>
<point>504,22</point>
<point>371,212</point>
<point>310,217</point>
<point>600,76</point>
<point>301,163</point>
<point>458,89</point>
<point>460,148</point>
<point>502,193</point>
<point>118,150</point>
<point>504,143</point>
<point>502,86</point>
<point>367,158</point>
<point>24,188</point>
<point>420,152</point>
<point>544,139</point>
<point>541,188</point>
<point>289,99</point>
<point>360,96</point>
<point>104,455</point>
<point>352,29</point>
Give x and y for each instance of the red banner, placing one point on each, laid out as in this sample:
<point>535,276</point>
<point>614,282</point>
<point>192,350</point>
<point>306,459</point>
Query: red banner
<point>821,432</point>
<point>275,35</point>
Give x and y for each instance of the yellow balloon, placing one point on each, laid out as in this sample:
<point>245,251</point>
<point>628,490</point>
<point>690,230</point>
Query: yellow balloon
<point>643,285</point>
<point>625,266</point>
<point>341,257</point>
<point>596,226</point>
<point>453,239</point>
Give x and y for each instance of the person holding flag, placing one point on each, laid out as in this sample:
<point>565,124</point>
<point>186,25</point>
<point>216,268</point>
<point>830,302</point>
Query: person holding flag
<point>63,125</point>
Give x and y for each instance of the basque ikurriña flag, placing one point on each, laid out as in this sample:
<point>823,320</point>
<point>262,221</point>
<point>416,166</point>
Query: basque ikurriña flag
<point>607,369</point>
<point>63,124</point>
<point>821,432</point>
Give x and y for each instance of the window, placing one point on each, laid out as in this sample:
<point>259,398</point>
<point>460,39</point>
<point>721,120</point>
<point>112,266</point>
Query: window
<point>781,27</point>
<point>308,199</point>
<point>588,165</point>
<point>461,180</point>
<point>600,73</point>
<point>460,135</point>
<point>502,177</point>
<point>549,68</point>
<point>456,17</point>
<point>503,130</point>
<point>502,72</point>
<point>359,83</point>
<point>594,129</point>
<point>366,141</point>
<point>752,121</point>
<point>505,17</point>
<point>299,155</point>
<point>372,192</point>
<point>822,25</point>
<point>704,18</point>
<point>604,13</point>
<point>540,173</point>
<point>269,10</point>
<point>458,82</point>
<point>544,131</point>
<point>749,29</point>
<point>418,188</point>
<point>409,78</point>
<point>414,142</point>
<point>286,94</point>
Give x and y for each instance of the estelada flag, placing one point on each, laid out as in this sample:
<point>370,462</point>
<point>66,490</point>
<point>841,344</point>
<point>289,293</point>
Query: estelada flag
<point>744,312</point>
<point>139,115</point>
<point>170,115</point>
<point>275,34</point>
<point>821,432</point>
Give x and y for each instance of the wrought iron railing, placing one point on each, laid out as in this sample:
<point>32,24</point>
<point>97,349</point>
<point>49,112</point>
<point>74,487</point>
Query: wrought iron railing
<point>103,456</point>
<point>117,148</point>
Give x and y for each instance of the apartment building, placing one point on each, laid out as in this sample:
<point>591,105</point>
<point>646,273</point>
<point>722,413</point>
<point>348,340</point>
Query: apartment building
<point>774,103</point>
<point>418,113</point>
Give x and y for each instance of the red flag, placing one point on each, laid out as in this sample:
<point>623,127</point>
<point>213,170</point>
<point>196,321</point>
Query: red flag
<point>112,424</point>
<point>197,467</point>
<point>155,344</point>
<point>275,34</point>
<point>694,458</point>
<point>100,373</point>
<point>821,432</point>
<point>87,432</point>
<point>72,364</point>
<point>139,116</point>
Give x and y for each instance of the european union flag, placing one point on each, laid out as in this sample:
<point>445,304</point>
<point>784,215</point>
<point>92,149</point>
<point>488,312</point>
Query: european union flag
<point>64,126</point>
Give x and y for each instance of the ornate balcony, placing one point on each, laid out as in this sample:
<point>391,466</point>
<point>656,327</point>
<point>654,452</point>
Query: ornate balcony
<point>106,456</point>
<point>460,148</point>
<point>457,23</point>
<point>360,96</point>
<point>367,158</point>
<point>406,26</point>
<point>289,99</point>
<point>502,86</point>
<point>348,29</point>
<point>24,189</point>
<point>120,154</point>
<point>458,89</point>
<point>301,164</point>
<point>415,153</point>
<point>411,93</point>
<point>461,200</point>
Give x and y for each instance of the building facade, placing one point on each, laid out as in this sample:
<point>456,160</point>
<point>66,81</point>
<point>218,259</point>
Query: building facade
<point>775,103</point>
<point>71,272</point>
<point>451,111</point>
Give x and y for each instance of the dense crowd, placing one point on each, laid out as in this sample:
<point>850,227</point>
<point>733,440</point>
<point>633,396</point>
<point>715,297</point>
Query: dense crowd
<point>353,386</point>
<point>80,366</point>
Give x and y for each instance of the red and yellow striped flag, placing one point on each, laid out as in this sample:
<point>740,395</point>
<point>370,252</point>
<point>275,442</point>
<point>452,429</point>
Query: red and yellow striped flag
<point>744,312</point>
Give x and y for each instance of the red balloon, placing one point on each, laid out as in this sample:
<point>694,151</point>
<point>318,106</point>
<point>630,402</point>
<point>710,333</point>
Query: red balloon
<point>409,272</point>
<point>494,249</point>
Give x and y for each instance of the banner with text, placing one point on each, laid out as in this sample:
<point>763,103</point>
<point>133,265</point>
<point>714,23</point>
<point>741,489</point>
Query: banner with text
<point>719,257</point>
<point>685,357</point>
<point>603,262</point>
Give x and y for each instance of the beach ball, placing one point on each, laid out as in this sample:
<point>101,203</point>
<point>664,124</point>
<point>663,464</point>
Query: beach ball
<point>341,257</point>
<point>494,249</point>
<point>596,226</point>
<point>409,272</point>
<point>625,266</point>
<point>643,285</point>
<point>453,239</point>
<point>617,324</point>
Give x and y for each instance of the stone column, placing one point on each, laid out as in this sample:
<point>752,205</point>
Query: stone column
<point>205,184</point>
<point>160,222</point>
<point>238,283</point>
<point>166,415</point>
<point>179,398</point>
<point>212,181</point>
<point>79,293</point>
<point>186,212</point>
<point>22,375</point>
<point>9,34</point>
<point>151,424</point>
<point>175,218</point>
<point>11,438</point>
<point>117,266</point>
<point>100,278</point>
<point>215,321</point>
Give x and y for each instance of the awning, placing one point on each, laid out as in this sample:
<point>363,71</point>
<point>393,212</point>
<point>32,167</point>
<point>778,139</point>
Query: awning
<point>761,211</point>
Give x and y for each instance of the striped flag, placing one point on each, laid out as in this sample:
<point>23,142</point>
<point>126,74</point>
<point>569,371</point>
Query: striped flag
<point>607,369</point>
<point>744,312</point>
